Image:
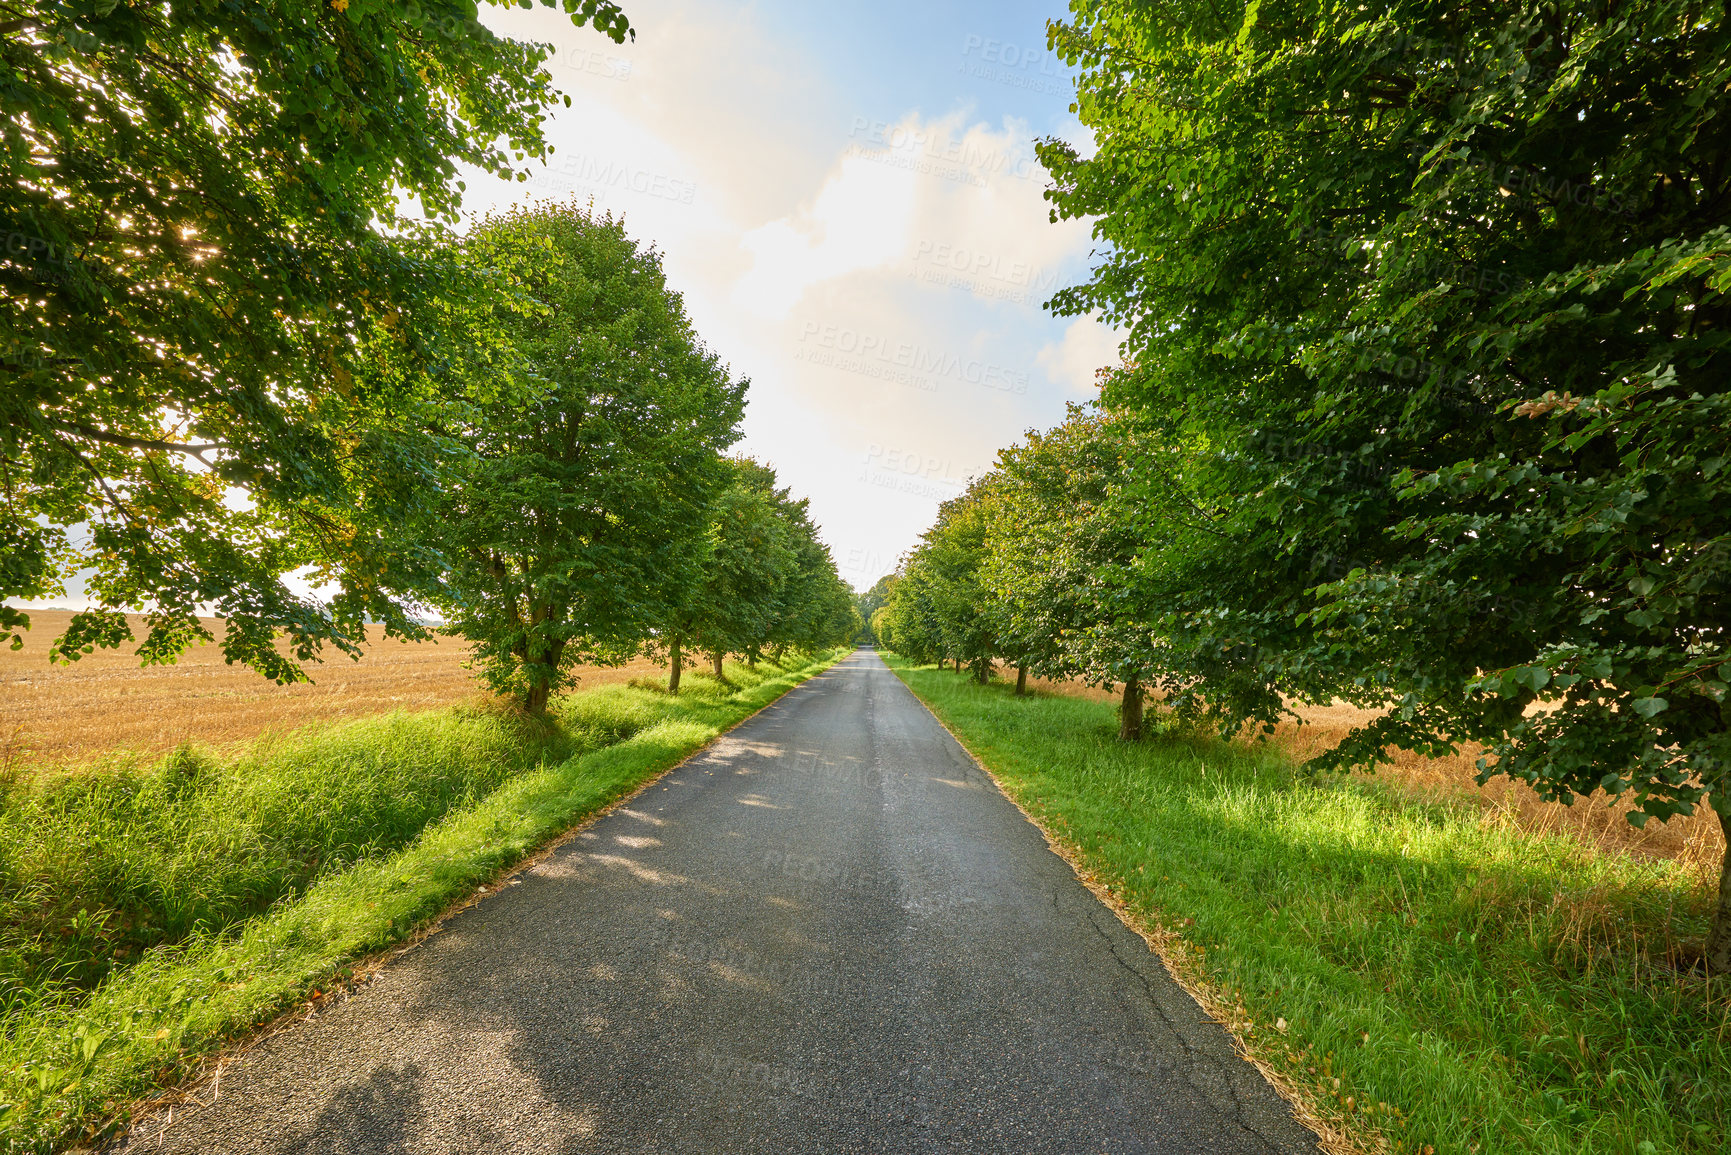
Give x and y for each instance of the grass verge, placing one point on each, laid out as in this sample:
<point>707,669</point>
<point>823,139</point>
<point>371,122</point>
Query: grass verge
<point>264,874</point>
<point>1424,977</point>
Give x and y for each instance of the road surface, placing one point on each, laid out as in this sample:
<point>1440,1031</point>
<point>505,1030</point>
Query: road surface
<point>827,933</point>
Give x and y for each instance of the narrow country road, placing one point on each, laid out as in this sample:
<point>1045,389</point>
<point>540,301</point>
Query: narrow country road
<point>827,933</point>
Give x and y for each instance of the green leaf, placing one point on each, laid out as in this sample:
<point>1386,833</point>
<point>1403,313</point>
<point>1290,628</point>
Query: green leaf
<point>1249,23</point>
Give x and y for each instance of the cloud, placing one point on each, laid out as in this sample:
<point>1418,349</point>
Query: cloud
<point>943,201</point>
<point>860,220</point>
<point>881,281</point>
<point>1086,348</point>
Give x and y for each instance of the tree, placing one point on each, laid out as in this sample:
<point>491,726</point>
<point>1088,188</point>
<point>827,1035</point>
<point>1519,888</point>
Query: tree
<point>1091,564</point>
<point>882,631</point>
<point>941,603</point>
<point>1444,289</point>
<point>731,601</point>
<point>911,618</point>
<point>578,521</point>
<point>1061,563</point>
<point>816,608</point>
<point>1031,603</point>
<point>764,580</point>
<point>216,338</point>
<point>870,602</point>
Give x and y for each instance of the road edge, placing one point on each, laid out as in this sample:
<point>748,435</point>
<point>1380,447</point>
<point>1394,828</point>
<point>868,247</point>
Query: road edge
<point>365,968</point>
<point>1330,1138</point>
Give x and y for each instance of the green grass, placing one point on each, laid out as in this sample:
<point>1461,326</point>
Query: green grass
<point>1472,987</point>
<point>150,915</point>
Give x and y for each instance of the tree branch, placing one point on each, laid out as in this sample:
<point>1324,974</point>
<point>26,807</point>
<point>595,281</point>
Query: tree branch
<point>123,440</point>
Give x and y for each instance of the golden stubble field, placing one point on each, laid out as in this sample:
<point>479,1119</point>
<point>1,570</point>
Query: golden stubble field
<point>55,715</point>
<point>1695,841</point>
<point>52,715</point>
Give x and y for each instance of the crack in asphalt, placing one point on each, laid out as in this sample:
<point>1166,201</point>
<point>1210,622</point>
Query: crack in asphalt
<point>1205,1058</point>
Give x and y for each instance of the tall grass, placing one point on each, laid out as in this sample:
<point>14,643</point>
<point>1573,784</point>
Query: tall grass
<point>1426,975</point>
<point>148,915</point>
<point>102,864</point>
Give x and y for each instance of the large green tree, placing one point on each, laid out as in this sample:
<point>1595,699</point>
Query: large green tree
<point>764,581</point>
<point>1445,288</point>
<point>578,519</point>
<point>219,284</point>
<point>941,603</point>
<point>1061,563</point>
<point>910,619</point>
<point>816,608</point>
<point>732,599</point>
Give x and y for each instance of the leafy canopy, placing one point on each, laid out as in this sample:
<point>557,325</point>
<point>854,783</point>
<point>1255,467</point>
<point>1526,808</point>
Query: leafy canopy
<point>1443,291</point>
<point>764,580</point>
<point>217,295</point>
<point>577,520</point>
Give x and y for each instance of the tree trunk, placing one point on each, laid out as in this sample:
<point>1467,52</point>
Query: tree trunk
<point>1021,681</point>
<point>673,663</point>
<point>983,671</point>
<point>1130,713</point>
<point>716,658</point>
<point>546,655</point>
<point>1719,938</point>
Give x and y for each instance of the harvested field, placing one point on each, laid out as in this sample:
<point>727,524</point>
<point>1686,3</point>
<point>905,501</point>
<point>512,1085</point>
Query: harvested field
<point>51,715</point>
<point>1695,841</point>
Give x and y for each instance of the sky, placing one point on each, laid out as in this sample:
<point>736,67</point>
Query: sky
<point>847,198</point>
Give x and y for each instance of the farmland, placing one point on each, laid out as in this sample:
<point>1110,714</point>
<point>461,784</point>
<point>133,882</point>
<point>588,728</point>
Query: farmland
<point>1693,840</point>
<point>54,715</point>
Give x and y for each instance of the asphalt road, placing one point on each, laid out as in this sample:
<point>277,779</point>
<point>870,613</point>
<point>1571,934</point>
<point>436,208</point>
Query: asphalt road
<point>828,933</point>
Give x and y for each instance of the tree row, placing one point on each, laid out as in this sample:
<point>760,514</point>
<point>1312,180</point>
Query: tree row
<point>1425,402</point>
<point>246,350</point>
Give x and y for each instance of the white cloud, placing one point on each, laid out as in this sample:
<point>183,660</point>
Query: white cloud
<point>1086,348</point>
<point>880,281</point>
<point>943,201</point>
<point>860,220</point>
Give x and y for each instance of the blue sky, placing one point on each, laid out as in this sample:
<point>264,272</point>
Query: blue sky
<point>846,195</point>
<point>847,198</point>
<point>899,56</point>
